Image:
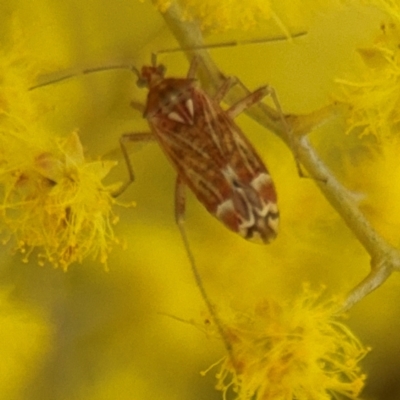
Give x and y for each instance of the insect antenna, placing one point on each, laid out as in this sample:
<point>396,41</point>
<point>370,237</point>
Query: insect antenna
<point>86,71</point>
<point>232,43</point>
<point>154,55</point>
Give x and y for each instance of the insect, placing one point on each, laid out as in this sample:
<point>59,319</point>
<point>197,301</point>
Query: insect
<point>209,152</point>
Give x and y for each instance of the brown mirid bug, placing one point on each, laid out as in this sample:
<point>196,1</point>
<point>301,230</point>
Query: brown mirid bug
<point>209,152</point>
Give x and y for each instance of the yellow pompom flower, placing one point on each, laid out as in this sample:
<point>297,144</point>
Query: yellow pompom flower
<point>104,335</point>
<point>374,101</point>
<point>391,7</point>
<point>56,201</point>
<point>51,199</point>
<point>297,351</point>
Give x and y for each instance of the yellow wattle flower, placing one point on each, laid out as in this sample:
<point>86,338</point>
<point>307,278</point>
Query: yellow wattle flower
<point>108,338</point>
<point>51,199</point>
<point>374,100</point>
<point>293,351</point>
<point>55,202</point>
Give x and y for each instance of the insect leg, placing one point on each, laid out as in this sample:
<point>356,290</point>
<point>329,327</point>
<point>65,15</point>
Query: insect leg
<point>180,206</point>
<point>124,139</point>
<point>194,64</point>
<point>180,201</point>
<point>251,99</point>
<point>224,88</point>
<point>138,106</point>
<point>254,98</point>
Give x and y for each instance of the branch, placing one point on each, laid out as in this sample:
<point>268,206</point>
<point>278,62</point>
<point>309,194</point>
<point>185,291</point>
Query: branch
<point>384,258</point>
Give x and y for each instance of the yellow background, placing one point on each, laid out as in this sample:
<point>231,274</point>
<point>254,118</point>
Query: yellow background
<point>90,334</point>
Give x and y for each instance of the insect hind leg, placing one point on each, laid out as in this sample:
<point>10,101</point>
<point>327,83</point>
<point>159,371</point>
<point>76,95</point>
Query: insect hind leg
<point>180,206</point>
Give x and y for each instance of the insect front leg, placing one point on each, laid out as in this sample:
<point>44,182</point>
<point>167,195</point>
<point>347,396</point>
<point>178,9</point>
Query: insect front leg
<point>124,139</point>
<point>137,106</point>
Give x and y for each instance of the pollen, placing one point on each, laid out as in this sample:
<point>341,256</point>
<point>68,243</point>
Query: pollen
<point>55,203</point>
<point>297,351</point>
<point>52,201</point>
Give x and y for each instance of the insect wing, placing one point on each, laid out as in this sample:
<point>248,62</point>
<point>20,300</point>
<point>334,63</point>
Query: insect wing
<point>214,158</point>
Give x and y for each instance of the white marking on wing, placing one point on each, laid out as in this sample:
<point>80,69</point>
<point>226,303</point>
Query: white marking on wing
<point>174,116</point>
<point>190,107</point>
<point>225,206</point>
<point>273,223</point>
<point>262,179</point>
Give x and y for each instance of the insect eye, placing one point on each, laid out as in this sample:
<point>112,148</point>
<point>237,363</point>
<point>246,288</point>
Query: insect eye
<point>142,82</point>
<point>161,69</point>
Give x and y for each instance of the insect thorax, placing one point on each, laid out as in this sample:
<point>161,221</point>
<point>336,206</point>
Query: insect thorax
<point>172,99</point>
